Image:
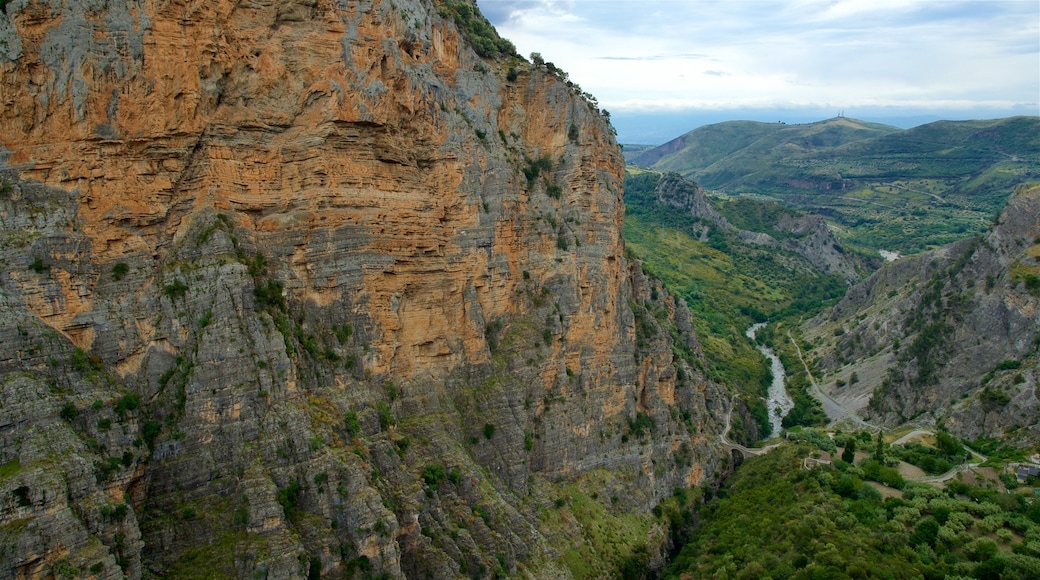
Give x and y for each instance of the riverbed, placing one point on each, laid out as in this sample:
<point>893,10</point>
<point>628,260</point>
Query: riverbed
<point>778,402</point>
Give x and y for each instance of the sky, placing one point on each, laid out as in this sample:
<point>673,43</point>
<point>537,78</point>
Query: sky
<point>662,68</point>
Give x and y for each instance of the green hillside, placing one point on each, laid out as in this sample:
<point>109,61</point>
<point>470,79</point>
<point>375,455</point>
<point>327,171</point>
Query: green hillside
<point>728,284</point>
<point>881,187</point>
<point>776,518</point>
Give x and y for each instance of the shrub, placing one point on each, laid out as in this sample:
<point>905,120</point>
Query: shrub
<point>150,431</point>
<point>489,430</point>
<point>316,442</point>
<point>289,499</point>
<point>120,270</point>
<point>641,425</point>
<point>69,412</point>
<point>270,294</point>
<point>535,167</point>
<point>38,266</point>
<point>351,423</point>
<point>128,402</point>
<point>1032,282</point>
<point>386,417</point>
<point>343,333</point>
<point>434,474</point>
<point>175,290</point>
<point>477,30</point>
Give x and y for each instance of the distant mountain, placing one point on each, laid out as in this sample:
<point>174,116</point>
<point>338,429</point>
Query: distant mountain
<point>743,147</point>
<point>880,187</point>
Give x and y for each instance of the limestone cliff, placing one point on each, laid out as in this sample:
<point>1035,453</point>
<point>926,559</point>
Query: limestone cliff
<point>309,286</point>
<point>952,334</point>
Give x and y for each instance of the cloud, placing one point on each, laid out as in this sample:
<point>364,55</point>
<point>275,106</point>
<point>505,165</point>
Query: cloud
<point>691,56</point>
<point>707,53</point>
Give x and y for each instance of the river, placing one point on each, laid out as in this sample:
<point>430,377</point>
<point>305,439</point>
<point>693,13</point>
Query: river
<point>778,402</point>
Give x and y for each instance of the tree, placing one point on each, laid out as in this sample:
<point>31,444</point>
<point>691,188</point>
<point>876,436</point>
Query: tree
<point>949,445</point>
<point>849,454</point>
<point>879,450</point>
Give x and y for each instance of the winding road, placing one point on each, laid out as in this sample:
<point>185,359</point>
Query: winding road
<point>745,450</point>
<point>835,411</point>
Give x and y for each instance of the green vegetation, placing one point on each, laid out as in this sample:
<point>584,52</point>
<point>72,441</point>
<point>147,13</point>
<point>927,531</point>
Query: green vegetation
<point>728,286</point>
<point>269,294</point>
<point>351,423</point>
<point>176,289</point>
<point>606,542</point>
<point>433,475</point>
<point>882,188</point>
<point>39,266</point>
<point>289,499</point>
<point>535,167</point>
<point>776,518</point>
<point>120,270</point>
<point>128,402</point>
<point>478,31</point>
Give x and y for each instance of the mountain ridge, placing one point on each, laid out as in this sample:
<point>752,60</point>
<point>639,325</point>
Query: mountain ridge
<point>880,188</point>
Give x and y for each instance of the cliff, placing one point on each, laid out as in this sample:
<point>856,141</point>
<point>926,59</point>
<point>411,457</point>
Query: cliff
<point>948,335</point>
<point>806,235</point>
<point>311,287</point>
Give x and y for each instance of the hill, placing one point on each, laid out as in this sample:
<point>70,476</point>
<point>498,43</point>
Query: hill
<point>951,335</point>
<point>798,513</point>
<point>881,188</point>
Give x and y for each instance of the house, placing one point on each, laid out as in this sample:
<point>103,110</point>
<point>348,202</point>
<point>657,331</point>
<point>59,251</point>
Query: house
<point>1025,471</point>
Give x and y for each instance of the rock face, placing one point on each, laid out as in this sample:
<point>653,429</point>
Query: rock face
<point>804,234</point>
<point>952,334</point>
<point>310,287</point>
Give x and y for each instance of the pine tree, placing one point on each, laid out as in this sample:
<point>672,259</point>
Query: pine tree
<point>849,454</point>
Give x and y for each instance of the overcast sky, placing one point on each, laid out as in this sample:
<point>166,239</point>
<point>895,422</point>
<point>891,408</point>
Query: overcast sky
<point>659,66</point>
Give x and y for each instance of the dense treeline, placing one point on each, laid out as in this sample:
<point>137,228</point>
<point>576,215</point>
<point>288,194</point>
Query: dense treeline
<point>777,519</point>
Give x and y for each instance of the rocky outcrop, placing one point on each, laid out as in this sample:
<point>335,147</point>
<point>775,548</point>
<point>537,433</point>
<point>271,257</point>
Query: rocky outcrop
<point>804,234</point>
<point>951,334</point>
<point>681,193</point>
<point>310,287</point>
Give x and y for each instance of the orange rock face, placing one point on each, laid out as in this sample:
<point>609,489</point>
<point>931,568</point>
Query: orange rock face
<point>311,119</point>
<point>458,231</point>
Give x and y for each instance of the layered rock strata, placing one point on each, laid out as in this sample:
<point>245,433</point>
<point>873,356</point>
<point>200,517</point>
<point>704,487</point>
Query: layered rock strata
<point>309,287</point>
